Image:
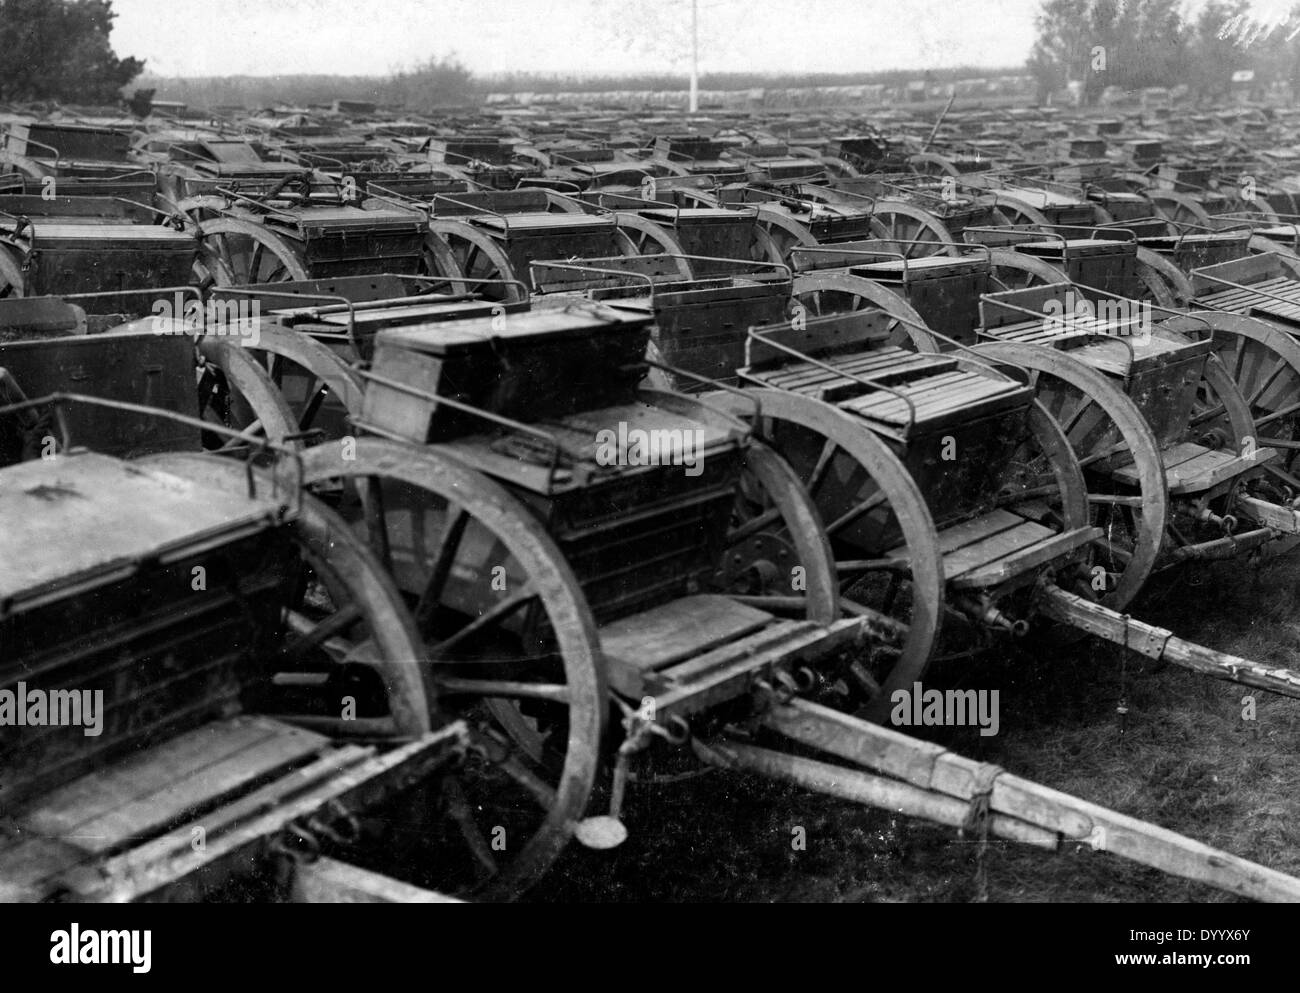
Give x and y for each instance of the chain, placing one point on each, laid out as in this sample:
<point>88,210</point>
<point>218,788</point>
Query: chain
<point>1122,707</point>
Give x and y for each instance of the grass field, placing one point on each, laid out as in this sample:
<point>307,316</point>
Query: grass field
<point>1185,759</point>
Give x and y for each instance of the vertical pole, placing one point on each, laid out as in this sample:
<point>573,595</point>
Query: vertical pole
<point>695,56</point>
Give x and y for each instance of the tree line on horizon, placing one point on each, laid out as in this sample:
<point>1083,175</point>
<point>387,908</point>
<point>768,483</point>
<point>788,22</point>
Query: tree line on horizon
<point>1134,44</point>
<point>446,83</point>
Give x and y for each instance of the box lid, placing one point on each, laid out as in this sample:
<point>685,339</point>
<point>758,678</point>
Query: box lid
<point>136,235</point>
<point>448,337</point>
<point>705,214</point>
<point>87,517</point>
<point>544,223</point>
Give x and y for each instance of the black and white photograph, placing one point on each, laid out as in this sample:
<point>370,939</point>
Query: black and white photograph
<point>605,452</point>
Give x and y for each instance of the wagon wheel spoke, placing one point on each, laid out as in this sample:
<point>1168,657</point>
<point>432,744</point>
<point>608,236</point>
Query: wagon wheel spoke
<point>823,463</point>
<point>472,256</point>
<point>540,791</point>
<point>458,808</point>
<point>444,555</point>
<point>316,395</point>
<point>316,634</point>
<point>1278,370</point>
<point>255,263</point>
<point>1070,420</point>
<point>223,251</point>
<point>1207,414</point>
<point>376,520</point>
<point>494,615</point>
<point>751,523</point>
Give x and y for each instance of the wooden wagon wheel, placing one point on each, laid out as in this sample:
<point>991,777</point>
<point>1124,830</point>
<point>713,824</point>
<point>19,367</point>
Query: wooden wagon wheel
<point>1012,270</point>
<point>1221,416</point>
<point>824,293</point>
<point>345,610</point>
<point>477,256</point>
<point>233,252</point>
<point>1286,256</point>
<point>307,372</point>
<point>643,236</point>
<point>235,391</point>
<point>302,372</point>
<point>1259,207</point>
<point>204,207</point>
<point>785,234</point>
<point>1044,473</point>
<point>437,259</point>
<point>1179,208</point>
<point>932,164</point>
<point>12,283</point>
<point>1263,361</point>
<point>774,527</point>
<point>838,168</point>
<point>532,156</point>
<point>1105,429</point>
<point>870,505</point>
<point>1016,211</point>
<point>905,222</point>
<point>558,203</point>
<point>669,167</point>
<point>996,218</point>
<point>1166,284</point>
<point>1137,182</point>
<point>1101,216</point>
<point>691,199</point>
<point>477,558</point>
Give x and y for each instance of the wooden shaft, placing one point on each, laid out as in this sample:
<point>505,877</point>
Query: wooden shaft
<point>1162,644</point>
<point>932,768</point>
<point>872,791</point>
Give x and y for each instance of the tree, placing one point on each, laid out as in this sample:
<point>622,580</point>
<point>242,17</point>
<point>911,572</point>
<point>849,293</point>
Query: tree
<point>60,50</point>
<point>1098,43</point>
<point>434,83</point>
<point>1216,54</point>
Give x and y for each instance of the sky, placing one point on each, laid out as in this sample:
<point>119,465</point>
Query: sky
<point>366,37</point>
<point>374,37</point>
